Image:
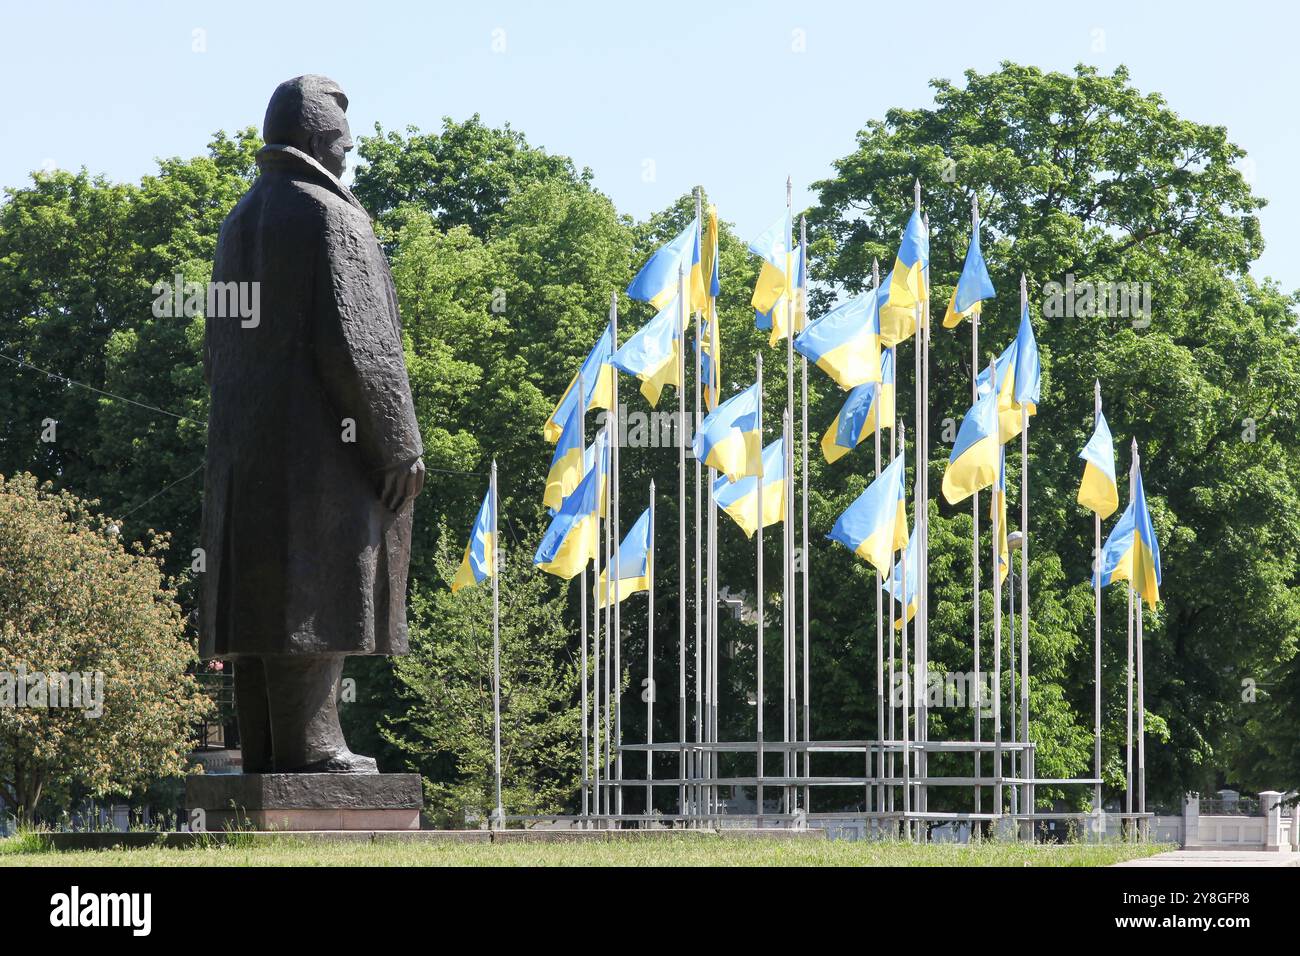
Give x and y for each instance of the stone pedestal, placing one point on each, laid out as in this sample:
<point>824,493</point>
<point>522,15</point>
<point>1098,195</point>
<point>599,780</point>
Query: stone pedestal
<point>305,801</point>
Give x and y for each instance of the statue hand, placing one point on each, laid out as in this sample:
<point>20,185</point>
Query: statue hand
<point>401,484</point>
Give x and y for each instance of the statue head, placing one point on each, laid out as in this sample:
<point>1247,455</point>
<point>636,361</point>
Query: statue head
<point>309,113</point>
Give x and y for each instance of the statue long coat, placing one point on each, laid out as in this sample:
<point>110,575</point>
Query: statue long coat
<point>301,555</point>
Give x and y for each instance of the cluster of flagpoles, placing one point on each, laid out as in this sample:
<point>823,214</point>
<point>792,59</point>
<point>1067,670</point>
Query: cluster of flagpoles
<point>856,343</point>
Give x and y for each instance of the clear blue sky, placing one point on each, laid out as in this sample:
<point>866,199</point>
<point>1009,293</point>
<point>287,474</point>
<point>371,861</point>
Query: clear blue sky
<point>111,86</point>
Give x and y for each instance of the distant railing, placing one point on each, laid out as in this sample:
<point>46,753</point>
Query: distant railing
<point>1241,807</point>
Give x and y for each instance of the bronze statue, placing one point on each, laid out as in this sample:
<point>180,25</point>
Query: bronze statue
<point>314,454</point>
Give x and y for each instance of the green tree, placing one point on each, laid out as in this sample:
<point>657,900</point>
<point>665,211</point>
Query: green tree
<point>445,727</point>
<point>1082,175</point>
<point>75,600</point>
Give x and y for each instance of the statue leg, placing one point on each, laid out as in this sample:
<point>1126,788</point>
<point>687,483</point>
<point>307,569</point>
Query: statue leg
<point>252,714</point>
<point>303,691</point>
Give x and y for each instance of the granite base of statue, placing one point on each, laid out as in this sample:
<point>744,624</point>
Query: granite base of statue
<point>306,801</point>
<point>313,464</point>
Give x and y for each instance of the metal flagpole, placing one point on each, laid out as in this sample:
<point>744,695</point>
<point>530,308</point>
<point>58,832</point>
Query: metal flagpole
<point>582,615</point>
<point>1013,792</point>
<point>650,664</point>
<point>996,587</point>
<point>1128,712</point>
<point>918,619</point>
<point>788,610</point>
<point>758,644</point>
<point>805,555</point>
<point>614,517</point>
<point>1096,644</point>
<point>975,537</point>
<point>684,314</point>
<point>880,608</point>
<point>923,565</point>
<point>1143,829</point>
<point>610,547</point>
<point>697,759</point>
<point>787,526</point>
<point>907,684</point>
<point>597,686</point>
<point>1030,770</point>
<point>895,449</point>
<point>496,650</point>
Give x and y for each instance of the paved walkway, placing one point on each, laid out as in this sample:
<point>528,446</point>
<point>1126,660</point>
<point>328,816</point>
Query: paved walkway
<point>1217,858</point>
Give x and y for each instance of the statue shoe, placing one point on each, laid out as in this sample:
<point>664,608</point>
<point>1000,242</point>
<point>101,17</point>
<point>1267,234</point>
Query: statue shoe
<point>343,762</point>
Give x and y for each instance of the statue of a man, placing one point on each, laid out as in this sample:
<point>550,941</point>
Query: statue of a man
<point>314,454</point>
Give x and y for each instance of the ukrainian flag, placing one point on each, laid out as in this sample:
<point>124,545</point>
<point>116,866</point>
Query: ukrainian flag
<point>1131,552</point>
<point>774,320</point>
<point>729,439</point>
<point>709,344</point>
<point>656,283</point>
<point>973,287</point>
<point>567,462</point>
<point>857,419</point>
<point>973,463</point>
<point>1099,491</point>
<point>875,525</point>
<point>740,498</point>
<point>1018,375</point>
<point>651,354</point>
<point>907,284</point>
<point>633,563</point>
<point>845,342</point>
<point>784,273</point>
<point>588,463</point>
<point>571,540</point>
<point>998,510</point>
<point>894,583</point>
<point>480,554</point>
<point>597,377</point>
<point>709,341</point>
<point>773,247</point>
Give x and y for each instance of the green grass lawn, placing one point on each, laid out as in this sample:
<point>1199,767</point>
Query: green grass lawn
<point>695,850</point>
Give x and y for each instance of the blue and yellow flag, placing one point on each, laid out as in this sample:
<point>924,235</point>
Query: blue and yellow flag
<point>973,287</point>
<point>729,439</point>
<point>998,513</point>
<point>567,462</point>
<point>875,525</point>
<point>480,554</point>
<point>597,377</point>
<point>856,421</point>
<point>651,354</point>
<point>572,539</point>
<point>1131,552</point>
<point>589,462</point>
<point>1018,375</point>
<point>907,284</point>
<point>657,281</point>
<point>740,498</point>
<point>634,558</point>
<point>1099,491</point>
<point>894,583</point>
<point>773,247</point>
<point>709,340</point>
<point>845,342</point>
<point>774,320</point>
<point>973,463</point>
<point>781,279</point>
